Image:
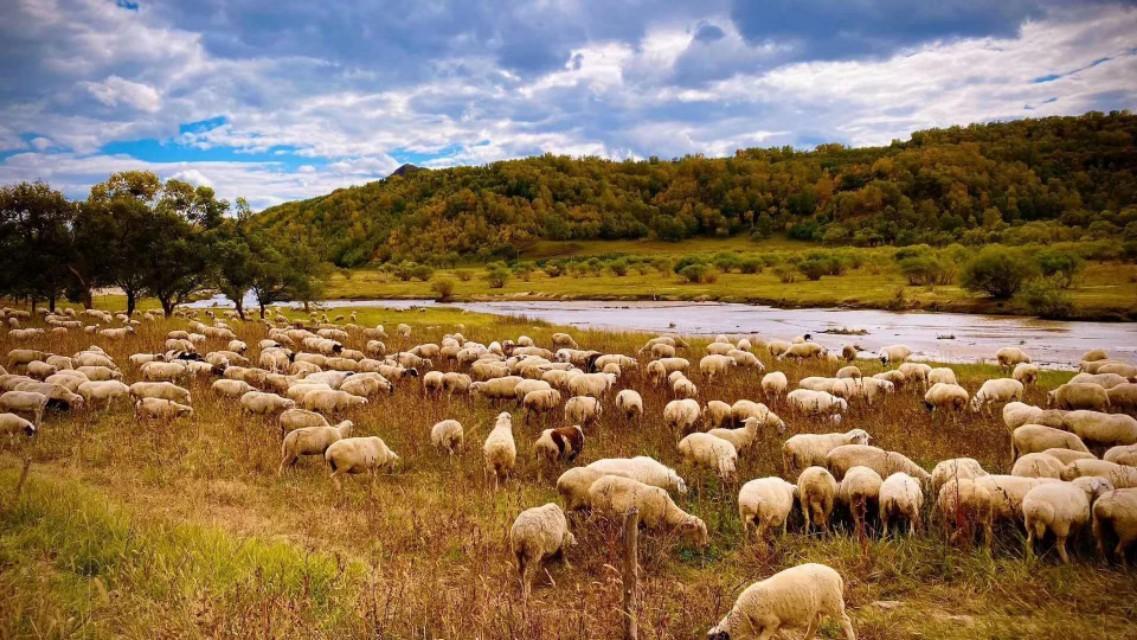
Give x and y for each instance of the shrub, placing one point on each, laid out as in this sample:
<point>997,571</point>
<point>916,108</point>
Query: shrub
<point>554,269</point>
<point>443,289</point>
<point>1062,266</point>
<point>726,261</point>
<point>464,275</point>
<point>785,273</point>
<point>497,274</point>
<point>619,267</point>
<point>751,265</point>
<point>696,272</point>
<point>404,270</point>
<point>422,272</point>
<point>998,271</point>
<point>686,261</point>
<point>1046,297</point>
<point>813,268</point>
<point>927,270</point>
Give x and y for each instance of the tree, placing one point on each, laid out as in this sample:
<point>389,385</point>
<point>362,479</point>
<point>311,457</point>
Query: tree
<point>997,271</point>
<point>233,267</point>
<point>1061,266</point>
<point>35,241</point>
<point>497,274</point>
<point>443,288</point>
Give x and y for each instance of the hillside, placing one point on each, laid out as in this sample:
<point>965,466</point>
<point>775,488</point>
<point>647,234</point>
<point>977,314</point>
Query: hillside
<point>1060,178</point>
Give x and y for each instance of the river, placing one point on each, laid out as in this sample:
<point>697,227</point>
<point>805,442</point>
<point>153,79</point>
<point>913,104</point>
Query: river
<point>949,337</point>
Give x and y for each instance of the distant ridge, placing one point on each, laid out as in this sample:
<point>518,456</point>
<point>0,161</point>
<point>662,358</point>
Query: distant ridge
<point>404,170</point>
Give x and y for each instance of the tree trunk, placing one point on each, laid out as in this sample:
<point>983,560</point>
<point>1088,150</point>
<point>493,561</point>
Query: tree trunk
<point>51,301</point>
<point>167,305</point>
<point>87,299</point>
<point>261,304</point>
<point>130,301</point>
<point>240,305</point>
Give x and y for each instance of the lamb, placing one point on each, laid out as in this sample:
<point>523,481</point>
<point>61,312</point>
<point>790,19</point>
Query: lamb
<point>998,390</point>
<point>812,449</point>
<point>615,495</point>
<point>817,403</point>
<point>859,487</point>
<point>553,445</point>
<point>359,455</point>
<point>741,439</point>
<point>885,463</point>
<point>1123,397</point>
<point>291,419</point>
<point>681,416</point>
<point>1122,454</point>
<point>945,396</point>
<point>583,410</point>
<point>261,403</point>
<point>105,391</point>
<point>1033,438</point>
<point>166,390</point>
<point>894,353</point>
<point>792,599</point>
<point>25,401</point>
<point>1104,429</point>
<point>717,414</point>
<point>1016,414</point>
<point>1038,465</point>
<point>763,504</point>
<point>1079,395</point>
<point>161,408</point>
<point>630,404</point>
<point>1120,475</point>
<point>1026,373</point>
<point>448,435</point>
<point>538,533</point>
<point>499,450</point>
<point>12,424</point>
<point>311,441</point>
<point>645,469</point>
<point>1116,512</point>
<point>706,450</point>
<point>775,384</point>
<point>941,374</point>
<point>1061,508</point>
<point>901,496</point>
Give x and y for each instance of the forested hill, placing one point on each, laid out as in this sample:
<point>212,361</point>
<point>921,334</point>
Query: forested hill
<point>1067,176</point>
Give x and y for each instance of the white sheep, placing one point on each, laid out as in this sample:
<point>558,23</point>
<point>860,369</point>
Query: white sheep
<point>448,435</point>
<point>161,408</point>
<point>12,425</point>
<point>810,449</point>
<point>942,374</point>
<point>1123,397</point>
<point>817,492</point>
<point>573,486</point>
<point>1016,414</point>
<point>166,390</point>
<point>1104,429</point>
<point>299,418</point>
<point>1079,395</point>
<point>1038,465</point>
<point>684,388</point>
<point>538,533</point>
<point>894,353</point>
<point>1033,438</point>
<point>743,409</point>
<point>1002,390</point>
<point>681,416</point>
<point>1120,475</point>
<point>711,366</point>
<point>717,414</point>
<point>324,401</point>
<point>499,450</point>
<point>775,384</point>
<point>704,449</point>
<point>553,445</point>
<point>1122,454</point>
<point>901,496</point>
<point>796,598</point>
<point>359,455</point>
<point>1104,380</point>
<point>763,504</point>
<point>1026,373</point>
<point>630,404</point>
<point>885,463</point>
<point>311,441</point>
<point>1066,456</point>
<point>103,391</point>
<point>817,403</point>
<point>1115,513</point>
<point>614,496</point>
<point>1061,508</point>
<point>583,410</point>
<point>261,403</point>
<point>1010,356</point>
<point>25,401</point>
<point>859,487</point>
<point>945,396</point>
<point>741,439</point>
<point>645,469</point>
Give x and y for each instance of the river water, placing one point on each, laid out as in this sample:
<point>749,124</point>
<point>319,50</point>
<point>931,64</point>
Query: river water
<point>954,337</point>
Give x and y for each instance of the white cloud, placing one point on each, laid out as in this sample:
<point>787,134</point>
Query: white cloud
<point>194,177</point>
<point>116,91</point>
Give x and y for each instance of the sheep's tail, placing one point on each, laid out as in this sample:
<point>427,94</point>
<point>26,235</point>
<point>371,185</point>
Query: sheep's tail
<point>332,464</point>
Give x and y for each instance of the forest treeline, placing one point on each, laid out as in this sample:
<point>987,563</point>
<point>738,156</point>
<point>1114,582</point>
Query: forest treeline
<point>1033,180</point>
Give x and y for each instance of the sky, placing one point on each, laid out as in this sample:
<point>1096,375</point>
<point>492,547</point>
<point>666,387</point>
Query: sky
<point>275,100</point>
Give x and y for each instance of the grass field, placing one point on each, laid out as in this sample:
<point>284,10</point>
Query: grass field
<point>183,529</point>
<point>1103,290</point>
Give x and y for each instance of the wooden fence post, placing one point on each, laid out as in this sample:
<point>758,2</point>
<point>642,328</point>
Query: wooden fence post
<point>631,572</point>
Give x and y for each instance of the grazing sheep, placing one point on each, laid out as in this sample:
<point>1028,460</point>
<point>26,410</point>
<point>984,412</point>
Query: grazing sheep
<point>540,401</point>
<point>1104,380</point>
<point>998,390</point>
<point>23,357</point>
<point>538,533</point>
<point>743,409</point>
<point>291,419</point>
<point>583,410</point>
<point>1066,456</point>
<point>901,496</point>
<point>366,385</point>
<point>741,439</point>
<point>717,414</point>
<point>161,408</point>
<point>503,388</point>
<point>553,445</point>
<point>658,370</point>
<point>499,450</point>
<point>103,391</point>
<point>817,403</point>
<point>1009,357</point>
<point>573,486</point>
<point>1006,495</point>
<point>261,403</point>
<point>1079,395</point>
<point>645,469</point>
<point>859,487</point>
<point>941,374</point>
<point>1103,429</point>
<point>704,449</point>
<point>775,384</point>
<point>684,388</point>
<point>613,496</point>
<point>894,353</point>
<point>812,449</point>
<point>327,401</point>
<point>448,435</point>
<point>563,341</point>
<point>851,371</point>
<point>796,598</point>
<point>164,371</point>
<point>311,441</point>
<point>885,463</point>
<point>763,504</point>
<point>681,416</point>
<point>40,370</point>
<point>630,404</point>
<point>945,396</point>
<point>1123,369</point>
<point>1120,475</point>
<point>166,390</point>
<point>1122,454</point>
<point>1035,438</point>
<point>1061,508</point>
<point>1016,414</point>
<point>964,503</point>
<point>1123,397</point>
<point>1026,373</point>
<point>26,402</point>
<point>817,492</point>
<point>359,455</point>
<point>1038,465</point>
<point>713,365</point>
<point>1115,513</point>
<point>12,424</point>
<point>662,351</point>
<point>803,350</point>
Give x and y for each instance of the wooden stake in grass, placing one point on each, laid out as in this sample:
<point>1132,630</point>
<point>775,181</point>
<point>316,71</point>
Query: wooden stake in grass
<point>21,481</point>
<point>631,572</point>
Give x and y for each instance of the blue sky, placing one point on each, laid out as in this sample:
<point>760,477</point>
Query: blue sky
<point>282,99</point>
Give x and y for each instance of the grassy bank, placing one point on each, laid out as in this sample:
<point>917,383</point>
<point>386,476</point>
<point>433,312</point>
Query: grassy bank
<point>1103,290</point>
<point>143,530</point>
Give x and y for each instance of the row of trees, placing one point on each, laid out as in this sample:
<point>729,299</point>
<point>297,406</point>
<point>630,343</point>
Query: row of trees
<point>1043,180</point>
<point>149,238</point>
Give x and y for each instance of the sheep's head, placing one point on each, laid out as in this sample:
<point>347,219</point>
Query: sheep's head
<point>718,634</point>
<point>859,436</point>
<point>697,529</point>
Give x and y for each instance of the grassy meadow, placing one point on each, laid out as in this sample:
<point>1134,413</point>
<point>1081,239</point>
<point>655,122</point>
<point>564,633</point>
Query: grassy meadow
<point>136,529</point>
<point>1102,289</point>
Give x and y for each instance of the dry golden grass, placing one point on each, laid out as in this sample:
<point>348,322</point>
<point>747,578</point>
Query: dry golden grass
<point>135,529</point>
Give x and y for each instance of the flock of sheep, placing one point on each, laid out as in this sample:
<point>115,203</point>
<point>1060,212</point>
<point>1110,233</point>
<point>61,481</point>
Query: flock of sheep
<point>302,376</point>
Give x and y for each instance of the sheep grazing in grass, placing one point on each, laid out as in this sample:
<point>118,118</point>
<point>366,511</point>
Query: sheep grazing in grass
<point>614,496</point>
<point>103,392</point>
<point>741,439</point>
<point>1102,429</point>
<point>817,492</point>
<point>261,403</point>
<point>901,496</point>
<point>630,405</point>
<point>948,397</point>
<point>1035,438</point>
<point>324,401</point>
<point>1066,456</point>
<point>885,463</point>
<point>25,402</point>
<point>716,414</point>
<point>1115,514</point>
<point>299,418</point>
<point>231,388</point>
<point>706,450</point>
<point>1079,395</point>
<point>12,425</point>
<point>764,504</point>
<point>1016,414</point>
<point>573,486</point>
<point>817,403</point>
<point>1106,381</point>
<point>166,390</point>
<point>796,598</point>
<point>859,488</point>
<point>584,410</point>
<point>311,441</point>
<point>541,402</point>
<point>941,374</point>
<point>538,533</point>
<point>1122,454</point>
<point>553,445</point>
<point>895,353</point>
<point>1120,475</point>
<point>1026,373</point>
<point>448,435</point>
<point>160,408</point>
<point>810,449</point>
<point>681,416</point>
<point>1038,465</point>
<point>645,469</point>
<point>499,450</point>
<point>774,385</point>
<point>1062,508</point>
<point>1009,357</point>
<point>684,388</point>
<point>359,455</point>
<point>999,390</point>
<point>1123,397</point>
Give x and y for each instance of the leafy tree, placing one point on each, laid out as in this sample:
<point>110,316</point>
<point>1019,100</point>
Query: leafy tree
<point>926,269</point>
<point>1062,266</point>
<point>36,245</point>
<point>497,274</point>
<point>997,271</point>
<point>1047,298</point>
<point>443,289</point>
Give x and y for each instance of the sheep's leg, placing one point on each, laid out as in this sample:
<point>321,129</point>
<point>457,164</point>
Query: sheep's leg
<point>1060,542</point>
<point>1099,539</point>
<point>846,624</point>
<point>805,511</point>
<point>336,480</point>
<point>811,628</point>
